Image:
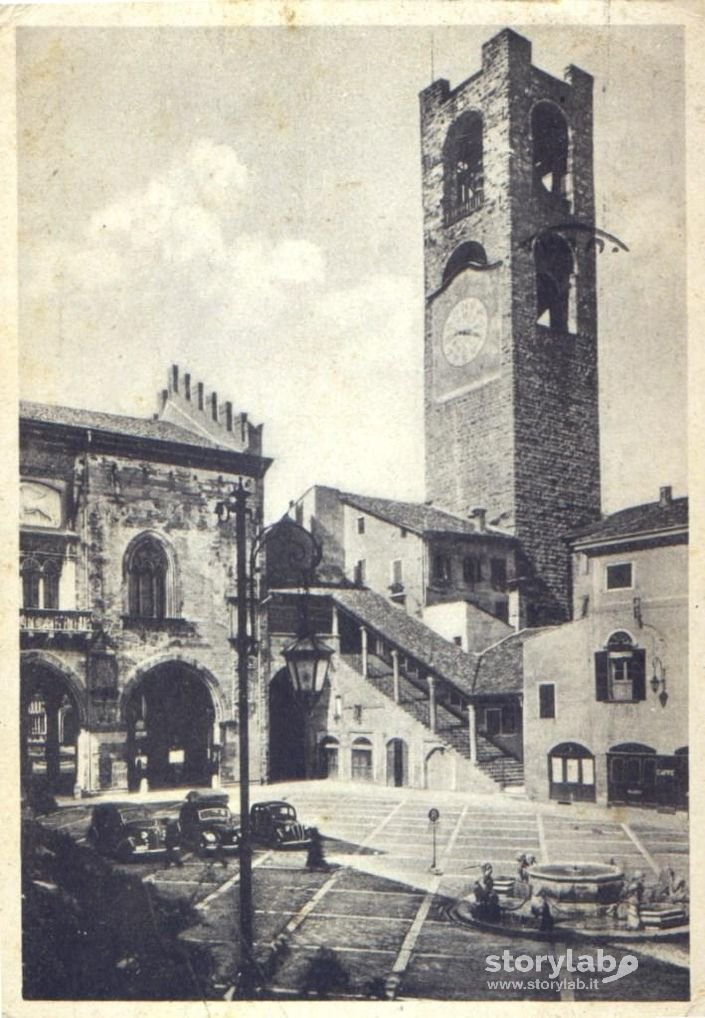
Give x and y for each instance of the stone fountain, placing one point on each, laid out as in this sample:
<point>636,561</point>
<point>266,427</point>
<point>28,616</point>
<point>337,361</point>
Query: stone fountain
<point>580,884</point>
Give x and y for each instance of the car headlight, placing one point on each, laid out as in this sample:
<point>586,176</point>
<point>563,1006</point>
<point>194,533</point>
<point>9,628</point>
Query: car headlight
<point>209,836</point>
<point>144,836</point>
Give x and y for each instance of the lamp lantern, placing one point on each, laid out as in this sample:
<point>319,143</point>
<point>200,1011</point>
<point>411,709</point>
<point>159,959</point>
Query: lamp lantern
<point>308,660</point>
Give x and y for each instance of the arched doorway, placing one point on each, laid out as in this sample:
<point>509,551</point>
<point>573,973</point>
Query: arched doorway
<point>631,773</point>
<point>361,761</point>
<point>50,726</point>
<point>328,757</point>
<point>397,763</point>
<point>170,717</point>
<point>571,773</point>
<point>287,754</point>
<point>439,769</point>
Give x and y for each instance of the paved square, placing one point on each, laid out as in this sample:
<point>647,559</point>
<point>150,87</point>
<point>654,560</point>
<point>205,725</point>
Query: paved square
<point>381,909</point>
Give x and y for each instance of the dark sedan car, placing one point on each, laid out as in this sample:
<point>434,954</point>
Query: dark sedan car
<point>207,824</point>
<point>275,824</point>
<point>127,831</point>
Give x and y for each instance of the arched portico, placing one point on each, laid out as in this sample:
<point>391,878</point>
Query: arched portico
<point>171,709</point>
<point>53,717</point>
<point>287,735</point>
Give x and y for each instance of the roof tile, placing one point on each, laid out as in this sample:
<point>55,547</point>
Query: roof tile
<point>118,424</point>
<point>649,517</point>
<point>417,517</point>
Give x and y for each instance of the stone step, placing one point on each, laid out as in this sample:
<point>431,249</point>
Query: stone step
<point>502,768</point>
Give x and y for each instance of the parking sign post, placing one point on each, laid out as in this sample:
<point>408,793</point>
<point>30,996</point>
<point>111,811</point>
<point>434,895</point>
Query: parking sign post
<point>434,816</point>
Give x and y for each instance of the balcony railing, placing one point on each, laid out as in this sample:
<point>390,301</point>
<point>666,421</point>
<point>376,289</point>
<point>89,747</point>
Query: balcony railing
<point>55,620</point>
<point>460,208</point>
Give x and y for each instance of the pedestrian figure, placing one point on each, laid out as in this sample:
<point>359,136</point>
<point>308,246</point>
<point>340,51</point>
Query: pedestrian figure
<point>219,854</point>
<point>171,843</point>
<point>487,878</point>
<point>141,762</point>
<point>545,917</point>
<point>523,867</point>
<point>634,895</point>
<point>315,859</point>
<point>325,974</point>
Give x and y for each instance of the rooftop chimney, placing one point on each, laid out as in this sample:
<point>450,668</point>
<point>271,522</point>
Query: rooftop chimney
<point>480,516</point>
<point>665,496</point>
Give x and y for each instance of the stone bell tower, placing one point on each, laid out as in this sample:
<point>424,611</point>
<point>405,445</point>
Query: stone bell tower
<point>511,394</point>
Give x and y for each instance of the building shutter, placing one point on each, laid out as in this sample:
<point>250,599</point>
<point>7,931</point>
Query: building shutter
<point>637,668</point>
<point>601,688</point>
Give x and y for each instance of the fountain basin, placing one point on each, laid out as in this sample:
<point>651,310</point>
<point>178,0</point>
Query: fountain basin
<point>581,883</point>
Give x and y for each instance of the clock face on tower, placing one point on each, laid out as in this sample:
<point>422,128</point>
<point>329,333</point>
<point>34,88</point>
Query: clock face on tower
<point>465,331</point>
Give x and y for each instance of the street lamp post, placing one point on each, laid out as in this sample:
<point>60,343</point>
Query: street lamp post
<point>236,506</point>
<point>307,659</point>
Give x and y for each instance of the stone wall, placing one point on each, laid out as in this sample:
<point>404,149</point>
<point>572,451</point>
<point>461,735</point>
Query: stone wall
<point>526,444</point>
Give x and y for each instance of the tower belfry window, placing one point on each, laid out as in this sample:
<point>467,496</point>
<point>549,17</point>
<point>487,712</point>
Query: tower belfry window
<point>555,283</point>
<point>551,149</point>
<point>462,160</point>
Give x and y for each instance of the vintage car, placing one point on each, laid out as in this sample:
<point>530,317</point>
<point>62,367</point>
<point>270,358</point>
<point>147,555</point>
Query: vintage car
<point>128,831</point>
<point>207,824</point>
<point>275,824</point>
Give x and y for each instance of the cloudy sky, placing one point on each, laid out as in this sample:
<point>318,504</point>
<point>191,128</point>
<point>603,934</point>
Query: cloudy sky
<point>246,203</point>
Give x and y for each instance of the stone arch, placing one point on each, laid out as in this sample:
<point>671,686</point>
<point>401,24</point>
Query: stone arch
<point>140,671</point>
<point>438,769</point>
<point>571,772</point>
<point>52,663</point>
<point>172,600</point>
<point>397,762</point>
<point>554,264</point>
<point>620,638</point>
<point>172,709</point>
<point>287,735</point>
<point>49,750</point>
<point>550,148</point>
<point>469,254</point>
<point>463,166</point>
<point>362,763</point>
<point>328,756</point>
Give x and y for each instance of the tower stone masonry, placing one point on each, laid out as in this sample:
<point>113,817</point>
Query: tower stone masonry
<point>511,388</point>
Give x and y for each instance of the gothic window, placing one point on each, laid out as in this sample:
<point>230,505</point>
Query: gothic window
<point>555,283</point>
<point>147,576</point>
<point>31,581</point>
<point>620,671</point>
<point>462,160</point>
<point>51,584</point>
<point>551,149</point>
<point>40,582</point>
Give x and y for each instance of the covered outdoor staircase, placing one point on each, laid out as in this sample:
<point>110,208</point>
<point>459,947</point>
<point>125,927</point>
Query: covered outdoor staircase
<point>451,720</point>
